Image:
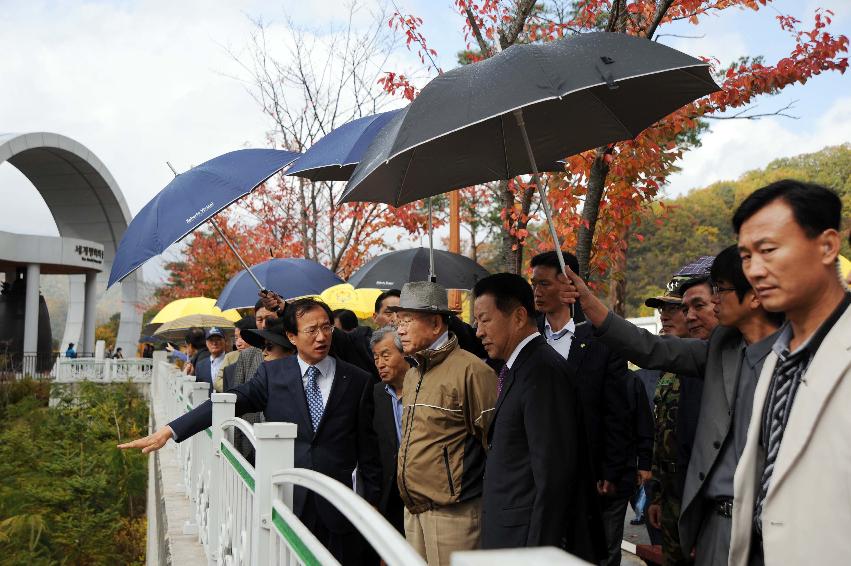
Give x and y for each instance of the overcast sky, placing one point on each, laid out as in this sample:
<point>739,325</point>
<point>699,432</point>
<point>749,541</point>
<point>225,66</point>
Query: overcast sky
<point>139,83</point>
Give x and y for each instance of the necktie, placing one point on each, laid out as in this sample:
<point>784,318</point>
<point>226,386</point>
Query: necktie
<point>500,379</point>
<point>782,395</point>
<point>314,396</point>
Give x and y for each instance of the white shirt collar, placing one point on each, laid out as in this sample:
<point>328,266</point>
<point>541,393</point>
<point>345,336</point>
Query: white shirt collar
<point>441,340</point>
<point>570,327</point>
<point>519,347</point>
<point>324,367</point>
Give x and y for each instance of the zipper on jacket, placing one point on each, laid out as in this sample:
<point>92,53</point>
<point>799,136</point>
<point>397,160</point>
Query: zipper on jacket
<point>448,471</point>
<point>408,426</point>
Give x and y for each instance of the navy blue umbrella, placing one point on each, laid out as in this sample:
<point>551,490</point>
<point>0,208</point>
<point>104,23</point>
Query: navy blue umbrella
<point>191,199</point>
<point>335,156</point>
<point>288,278</point>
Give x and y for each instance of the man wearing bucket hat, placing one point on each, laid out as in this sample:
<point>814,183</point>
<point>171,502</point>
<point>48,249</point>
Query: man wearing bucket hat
<point>448,404</point>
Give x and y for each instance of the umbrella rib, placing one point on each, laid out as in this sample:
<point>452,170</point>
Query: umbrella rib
<point>404,176</point>
<point>504,148</point>
<point>612,114</point>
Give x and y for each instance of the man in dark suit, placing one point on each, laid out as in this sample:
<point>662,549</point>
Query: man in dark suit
<point>324,397</point>
<point>605,387</point>
<point>386,408</point>
<point>538,489</point>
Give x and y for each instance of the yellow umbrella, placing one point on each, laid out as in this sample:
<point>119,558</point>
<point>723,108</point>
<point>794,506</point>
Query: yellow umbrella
<point>193,305</point>
<point>344,296</point>
<point>176,329</point>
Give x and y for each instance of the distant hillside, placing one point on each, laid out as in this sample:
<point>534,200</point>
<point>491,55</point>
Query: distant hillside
<point>698,223</point>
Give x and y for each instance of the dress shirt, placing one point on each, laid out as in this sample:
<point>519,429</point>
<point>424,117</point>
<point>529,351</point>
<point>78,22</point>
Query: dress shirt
<point>215,365</point>
<point>510,361</point>
<point>560,340</point>
<point>720,482</point>
<point>327,368</point>
<point>397,409</point>
<point>441,340</point>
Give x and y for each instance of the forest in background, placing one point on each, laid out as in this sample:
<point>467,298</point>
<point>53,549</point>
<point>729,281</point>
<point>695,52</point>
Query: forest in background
<point>677,231</point>
<point>68,495</point>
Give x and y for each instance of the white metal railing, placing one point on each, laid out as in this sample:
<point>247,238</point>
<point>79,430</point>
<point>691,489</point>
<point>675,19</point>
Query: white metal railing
<point>242,514</point>
<point>73,370</point>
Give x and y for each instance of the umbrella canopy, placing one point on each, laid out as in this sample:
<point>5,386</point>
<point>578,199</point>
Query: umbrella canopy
<point>575,94</point>
<point>394,269</point>
<point>191,199</point>
<point>176,329</point>
<point>335,156</point>
<point>289,278</point>
<point>344,296</point>
<point>194,305</point>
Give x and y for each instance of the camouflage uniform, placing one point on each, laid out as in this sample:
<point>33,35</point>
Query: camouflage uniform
<point>668,472</point>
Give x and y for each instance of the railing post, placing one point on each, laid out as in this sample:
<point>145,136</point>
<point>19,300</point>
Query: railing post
<point>197,394</point>
<point>275,450</point>
<point>224,407</point>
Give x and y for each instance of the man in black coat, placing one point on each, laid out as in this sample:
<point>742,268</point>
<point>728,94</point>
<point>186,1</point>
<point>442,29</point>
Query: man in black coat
<point>605,386</point>
<point>538,486</point>
<point>324,397</point>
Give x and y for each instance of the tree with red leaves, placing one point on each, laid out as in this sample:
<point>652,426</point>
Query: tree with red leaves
<point>598,197</point>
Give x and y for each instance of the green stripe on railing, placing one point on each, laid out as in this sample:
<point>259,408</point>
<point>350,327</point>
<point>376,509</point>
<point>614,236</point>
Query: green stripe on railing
<point>209,432</point>
<point>304,553</point>
<point>246,476</point>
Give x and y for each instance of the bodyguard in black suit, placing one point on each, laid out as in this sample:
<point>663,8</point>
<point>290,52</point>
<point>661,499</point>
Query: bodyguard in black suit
<point>334,433</point>
<point>538,489</point>
<point>604,385</point>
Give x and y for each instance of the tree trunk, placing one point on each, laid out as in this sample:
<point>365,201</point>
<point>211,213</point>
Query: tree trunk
<point>591,211</point>
<point>618,280</point>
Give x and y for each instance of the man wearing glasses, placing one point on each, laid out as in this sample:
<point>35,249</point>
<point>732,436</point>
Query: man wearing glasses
<point>448,401</point>
<point>730,363</point>
<point>323,397</point>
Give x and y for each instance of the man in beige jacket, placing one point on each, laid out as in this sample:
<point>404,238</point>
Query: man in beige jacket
<point>792,488</point>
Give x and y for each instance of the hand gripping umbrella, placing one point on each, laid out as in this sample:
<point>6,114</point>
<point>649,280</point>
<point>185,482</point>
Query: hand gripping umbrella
<point>191,199</point>
<point>523,110</point>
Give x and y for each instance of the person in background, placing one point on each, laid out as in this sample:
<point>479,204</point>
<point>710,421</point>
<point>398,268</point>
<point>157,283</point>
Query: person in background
<point>605,385</point>
<point>71,352</point>
<point>119,354</point>
<point>243,324</point>
<point>148,350</point>
<point>215,344</point>
<point>196,350</point>
<point>538,489</point>
<point>345,320</point>
<point>385,405</point>
<point>383,303</point>
<point>272,341</point>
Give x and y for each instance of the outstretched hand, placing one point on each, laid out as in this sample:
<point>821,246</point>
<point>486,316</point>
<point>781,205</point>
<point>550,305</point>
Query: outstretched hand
<point>150,443</point>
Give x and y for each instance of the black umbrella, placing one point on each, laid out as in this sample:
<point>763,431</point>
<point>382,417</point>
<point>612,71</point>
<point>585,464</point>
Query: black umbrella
<point>522,111</point>
<point>394,269</point>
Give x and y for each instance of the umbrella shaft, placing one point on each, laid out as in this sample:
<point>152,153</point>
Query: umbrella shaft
<point>518,114</point>
<point>431,275</point>
<point>236,253</point>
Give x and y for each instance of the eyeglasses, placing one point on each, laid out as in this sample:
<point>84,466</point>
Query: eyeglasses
<point>716,290</point>
<point>314,330</point>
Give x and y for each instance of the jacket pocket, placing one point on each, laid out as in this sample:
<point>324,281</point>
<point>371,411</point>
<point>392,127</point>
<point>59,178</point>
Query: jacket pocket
<point>516,516</point>
<point>448,471</point>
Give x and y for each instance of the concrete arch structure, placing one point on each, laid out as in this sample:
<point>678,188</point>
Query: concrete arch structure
<point>86,204</point>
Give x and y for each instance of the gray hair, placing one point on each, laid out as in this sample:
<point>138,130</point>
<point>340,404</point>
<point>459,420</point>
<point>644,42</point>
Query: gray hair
<point>381,334</point>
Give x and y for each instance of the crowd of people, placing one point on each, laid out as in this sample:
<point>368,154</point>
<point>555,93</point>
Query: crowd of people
<point>541,422</point>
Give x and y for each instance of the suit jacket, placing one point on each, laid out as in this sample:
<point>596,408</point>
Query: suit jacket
<point>717,361</point>
<point>644,425</point>
<point>605,386</point>
<point>351,348</point>
<point>538,486</point>
<point>384,424</point>
<point>343,440</point>
<point>201,365</point>
<point>808,505</point>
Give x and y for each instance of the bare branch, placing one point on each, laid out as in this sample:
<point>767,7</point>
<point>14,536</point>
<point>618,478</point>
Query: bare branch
<point>477,32</point>
<point>744,114</point>
<point>661,9</point>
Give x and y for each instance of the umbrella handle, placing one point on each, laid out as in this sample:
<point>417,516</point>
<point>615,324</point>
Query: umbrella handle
<point>236,253</point>
<point>518,115</point>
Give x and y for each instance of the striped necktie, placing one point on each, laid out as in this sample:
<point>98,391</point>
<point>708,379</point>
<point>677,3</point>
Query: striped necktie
<point>500,379</point>
<point>781,396</point>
